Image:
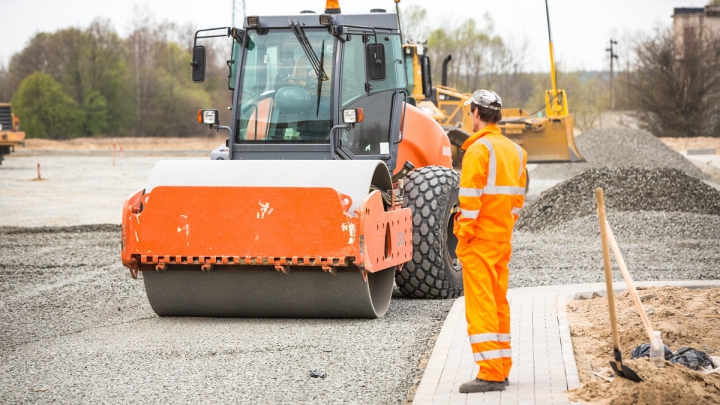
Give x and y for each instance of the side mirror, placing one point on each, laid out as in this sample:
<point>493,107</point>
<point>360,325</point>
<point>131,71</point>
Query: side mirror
<point>198,64</point>
<point>376,61</point>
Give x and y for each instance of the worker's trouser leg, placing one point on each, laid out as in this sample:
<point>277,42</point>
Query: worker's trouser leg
<point>485,279</point>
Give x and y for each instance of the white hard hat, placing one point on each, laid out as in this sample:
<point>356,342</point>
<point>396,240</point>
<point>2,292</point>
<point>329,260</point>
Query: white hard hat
<point>485,98</point>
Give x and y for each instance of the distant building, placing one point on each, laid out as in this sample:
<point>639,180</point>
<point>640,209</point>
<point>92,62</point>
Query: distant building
<point>689,24</point>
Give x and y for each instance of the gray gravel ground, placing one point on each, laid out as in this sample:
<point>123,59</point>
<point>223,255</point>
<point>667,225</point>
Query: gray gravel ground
<point>666,221</point>
<point>655,246</point>
<point>77,329</point>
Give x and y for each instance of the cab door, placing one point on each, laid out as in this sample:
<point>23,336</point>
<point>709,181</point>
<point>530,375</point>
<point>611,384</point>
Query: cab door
<point>373,78</point>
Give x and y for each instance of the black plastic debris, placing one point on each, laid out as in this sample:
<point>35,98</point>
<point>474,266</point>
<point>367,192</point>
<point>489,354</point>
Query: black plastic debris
<point>644,351</point>
<point>692,359</point>
<point>687,356</point>
<point>317,374</point>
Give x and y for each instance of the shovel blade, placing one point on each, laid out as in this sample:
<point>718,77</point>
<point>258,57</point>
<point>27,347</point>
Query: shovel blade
<point>625,372</point>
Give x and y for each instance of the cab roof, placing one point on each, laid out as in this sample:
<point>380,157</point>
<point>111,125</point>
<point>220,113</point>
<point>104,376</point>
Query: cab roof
<point>383,21</point>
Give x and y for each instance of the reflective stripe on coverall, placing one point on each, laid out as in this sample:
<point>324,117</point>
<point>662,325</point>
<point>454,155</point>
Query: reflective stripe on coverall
<point>492,192</point>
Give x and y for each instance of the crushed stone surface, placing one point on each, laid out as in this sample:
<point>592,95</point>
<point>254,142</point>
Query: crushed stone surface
<point>75,328</point>
<point>625,189</point>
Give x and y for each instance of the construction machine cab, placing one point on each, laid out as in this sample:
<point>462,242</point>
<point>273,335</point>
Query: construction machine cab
<point>290,73</point>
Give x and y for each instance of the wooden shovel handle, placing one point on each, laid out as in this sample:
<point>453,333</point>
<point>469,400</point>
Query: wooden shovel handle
<point>608,267</point>
<point>629,281</point>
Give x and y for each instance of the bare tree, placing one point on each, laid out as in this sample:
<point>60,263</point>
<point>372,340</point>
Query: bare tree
<point>677,89</point>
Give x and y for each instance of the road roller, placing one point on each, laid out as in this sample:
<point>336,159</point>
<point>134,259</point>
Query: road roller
<point>336,187</point>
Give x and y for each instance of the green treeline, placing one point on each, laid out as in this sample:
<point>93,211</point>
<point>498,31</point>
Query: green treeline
<point>91,82</point>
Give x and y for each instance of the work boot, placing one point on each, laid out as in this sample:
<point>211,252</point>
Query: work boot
<point>478,385</point>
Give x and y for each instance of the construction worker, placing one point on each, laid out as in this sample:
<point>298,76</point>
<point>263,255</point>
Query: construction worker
<point>492,192</point>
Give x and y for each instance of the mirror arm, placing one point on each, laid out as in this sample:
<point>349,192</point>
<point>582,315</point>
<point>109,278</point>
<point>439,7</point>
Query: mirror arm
<point>332,137</point>
<point>401,126</point>
<point>217,128</point>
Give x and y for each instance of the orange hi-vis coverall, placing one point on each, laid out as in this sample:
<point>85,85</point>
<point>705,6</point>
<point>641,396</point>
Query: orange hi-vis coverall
<point>492,192</point>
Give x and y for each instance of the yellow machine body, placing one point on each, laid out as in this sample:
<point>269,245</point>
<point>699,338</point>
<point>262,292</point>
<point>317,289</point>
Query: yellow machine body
<point>546,137</point>
<point>10,134</point>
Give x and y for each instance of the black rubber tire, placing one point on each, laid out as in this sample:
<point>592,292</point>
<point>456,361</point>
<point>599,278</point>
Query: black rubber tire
<point>433,271</point>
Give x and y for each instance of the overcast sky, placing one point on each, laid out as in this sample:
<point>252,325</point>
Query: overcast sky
<point>581,28</point>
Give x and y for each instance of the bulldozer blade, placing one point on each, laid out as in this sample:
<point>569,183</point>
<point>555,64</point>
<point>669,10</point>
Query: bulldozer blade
<point>545,139</point>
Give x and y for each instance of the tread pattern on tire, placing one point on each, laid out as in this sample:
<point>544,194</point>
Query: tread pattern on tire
<point>430,192</point>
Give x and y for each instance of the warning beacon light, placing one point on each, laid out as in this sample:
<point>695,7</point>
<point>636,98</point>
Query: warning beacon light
<point>332,7</point>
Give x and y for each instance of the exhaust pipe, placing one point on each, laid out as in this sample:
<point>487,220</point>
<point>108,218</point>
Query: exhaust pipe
<point>444,70</point>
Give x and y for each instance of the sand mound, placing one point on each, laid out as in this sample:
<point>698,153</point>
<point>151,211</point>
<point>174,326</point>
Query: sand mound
<point>685,317</point>
<point>626,189</point>
<point>675,384</point>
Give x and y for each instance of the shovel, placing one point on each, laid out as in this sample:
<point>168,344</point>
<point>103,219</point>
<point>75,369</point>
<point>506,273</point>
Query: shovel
<point>629,281</point>
<point>618,367</point>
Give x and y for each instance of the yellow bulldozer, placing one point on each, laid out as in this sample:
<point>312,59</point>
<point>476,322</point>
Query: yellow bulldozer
<point>546,134</point>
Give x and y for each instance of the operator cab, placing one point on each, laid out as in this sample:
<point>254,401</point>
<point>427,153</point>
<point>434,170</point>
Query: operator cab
<point>309,86</point>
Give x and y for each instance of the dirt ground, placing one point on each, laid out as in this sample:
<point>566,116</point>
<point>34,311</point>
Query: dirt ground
<point>683,144</point>
<point>685,317</point>
<point>204,143</point>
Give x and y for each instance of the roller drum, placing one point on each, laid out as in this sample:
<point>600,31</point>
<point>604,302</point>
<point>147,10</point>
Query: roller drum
<point>261,293</point>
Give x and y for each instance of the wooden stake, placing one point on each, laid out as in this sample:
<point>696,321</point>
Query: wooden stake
<point>113,163</point>
<point>38,170</point>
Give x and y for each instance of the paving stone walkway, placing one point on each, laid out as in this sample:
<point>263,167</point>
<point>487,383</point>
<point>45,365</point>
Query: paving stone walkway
<point>543,361</point>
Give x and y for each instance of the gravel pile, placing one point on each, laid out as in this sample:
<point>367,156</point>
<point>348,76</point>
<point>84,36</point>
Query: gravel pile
<point>75,328</point>
<point>618,147</point>
<point>655,246</point>
<point>625,189</point>
<point>673,226</point>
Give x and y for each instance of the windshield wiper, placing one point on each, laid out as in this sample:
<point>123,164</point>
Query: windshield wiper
<point>320,80</point>
<point>309,52</point>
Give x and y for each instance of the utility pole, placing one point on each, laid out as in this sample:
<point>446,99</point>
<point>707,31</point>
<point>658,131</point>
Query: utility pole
<point>613,56</point>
